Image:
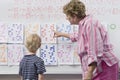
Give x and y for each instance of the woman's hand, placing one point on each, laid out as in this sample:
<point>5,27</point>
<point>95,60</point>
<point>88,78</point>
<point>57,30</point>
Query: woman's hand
<point>57,34</point>
<point>88,76</point>
<point>60,34</point>
<point>91,68</point>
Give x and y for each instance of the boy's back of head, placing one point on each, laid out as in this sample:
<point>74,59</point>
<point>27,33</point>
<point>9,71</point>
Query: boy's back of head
<point>33,42</point>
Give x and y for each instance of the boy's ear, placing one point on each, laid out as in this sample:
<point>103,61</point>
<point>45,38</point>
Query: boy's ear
<point>40,45</point>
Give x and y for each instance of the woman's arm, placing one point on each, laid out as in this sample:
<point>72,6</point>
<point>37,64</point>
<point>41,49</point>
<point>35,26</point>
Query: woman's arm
<point>61,34</point>
<point>91,68</point>
<point>73,37</point>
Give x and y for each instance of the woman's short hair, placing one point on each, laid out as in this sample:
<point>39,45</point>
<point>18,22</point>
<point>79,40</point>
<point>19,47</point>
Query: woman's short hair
<point>75,7</point>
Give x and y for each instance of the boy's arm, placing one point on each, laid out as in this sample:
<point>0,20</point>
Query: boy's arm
<point>40,69</point>
<point>21,78</point>
<point>20,71</point>
<point>40,77</point>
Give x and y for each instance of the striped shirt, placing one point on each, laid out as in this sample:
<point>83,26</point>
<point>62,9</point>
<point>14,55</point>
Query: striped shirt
<point>93,44</point>
<point>30,67</point>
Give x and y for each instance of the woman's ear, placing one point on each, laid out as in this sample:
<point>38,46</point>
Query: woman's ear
<point>74,16</point>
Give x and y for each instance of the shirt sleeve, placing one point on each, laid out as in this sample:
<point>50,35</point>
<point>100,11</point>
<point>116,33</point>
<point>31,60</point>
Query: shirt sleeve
<point>20,69</point>
<point>91,44</point>
<point>74,37</point>
<point>40,67</point>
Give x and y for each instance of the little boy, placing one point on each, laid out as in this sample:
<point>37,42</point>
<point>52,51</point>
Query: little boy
<point>32,67</point>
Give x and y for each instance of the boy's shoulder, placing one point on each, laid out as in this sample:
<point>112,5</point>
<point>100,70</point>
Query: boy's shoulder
<point>38,58</point>
<point>33,59</point>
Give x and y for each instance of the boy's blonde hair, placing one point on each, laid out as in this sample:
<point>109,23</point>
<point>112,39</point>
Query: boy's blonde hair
<point>33,42</point>
<point>75,7</point>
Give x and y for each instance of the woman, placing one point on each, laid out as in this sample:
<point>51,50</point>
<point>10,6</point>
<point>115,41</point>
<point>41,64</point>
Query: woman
<point>95,51</point>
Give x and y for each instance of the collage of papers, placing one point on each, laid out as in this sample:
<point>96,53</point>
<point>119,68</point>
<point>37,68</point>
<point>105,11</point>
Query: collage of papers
<point>54,51</point>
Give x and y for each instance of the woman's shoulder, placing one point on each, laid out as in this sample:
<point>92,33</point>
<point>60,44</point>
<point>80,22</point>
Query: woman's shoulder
<point>89,19</point>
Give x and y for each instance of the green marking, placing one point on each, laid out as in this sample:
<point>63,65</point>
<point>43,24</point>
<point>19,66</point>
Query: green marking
<point>112,26</point>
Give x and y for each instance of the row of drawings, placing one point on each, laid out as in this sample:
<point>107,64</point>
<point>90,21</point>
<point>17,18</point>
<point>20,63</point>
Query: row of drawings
<point>52,54</point>
<point>53,51</point>
<point>16,33</point>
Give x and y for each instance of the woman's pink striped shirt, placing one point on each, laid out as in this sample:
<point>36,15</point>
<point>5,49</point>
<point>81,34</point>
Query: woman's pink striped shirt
<point>93,44</point>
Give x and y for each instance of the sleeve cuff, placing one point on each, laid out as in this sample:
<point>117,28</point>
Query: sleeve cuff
<point>91,59</point>
<point>73,37</point>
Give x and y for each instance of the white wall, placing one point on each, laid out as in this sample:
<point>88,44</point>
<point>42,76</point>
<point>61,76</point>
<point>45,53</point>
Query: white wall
<point>107,11</point>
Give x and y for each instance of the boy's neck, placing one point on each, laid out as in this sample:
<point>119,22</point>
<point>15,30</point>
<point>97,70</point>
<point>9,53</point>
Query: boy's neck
<point>31,53</point>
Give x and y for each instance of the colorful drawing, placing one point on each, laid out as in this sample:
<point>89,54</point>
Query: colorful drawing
<point>3,54</point>
<point>64,28</point>
<point>15,33</point>
<point>3,33</point>
<point>48,53</point>
<point>65,54</point>
<point>15,54</point>
<point>31,29</point>
<point>47,33</point>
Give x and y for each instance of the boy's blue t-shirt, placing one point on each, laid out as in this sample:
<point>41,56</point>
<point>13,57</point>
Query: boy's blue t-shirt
<point>30,66</point>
